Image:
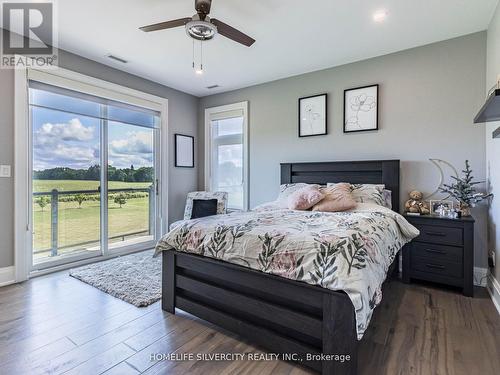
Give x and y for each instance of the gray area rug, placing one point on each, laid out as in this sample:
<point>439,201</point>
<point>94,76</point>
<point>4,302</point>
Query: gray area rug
<point>134,278</point>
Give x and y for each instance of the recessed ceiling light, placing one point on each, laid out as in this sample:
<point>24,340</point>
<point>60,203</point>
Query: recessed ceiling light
<point>380,15</point>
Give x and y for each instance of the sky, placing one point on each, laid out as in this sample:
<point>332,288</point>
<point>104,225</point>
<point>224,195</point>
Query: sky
<point>63,139</point>
<point>66,138</point>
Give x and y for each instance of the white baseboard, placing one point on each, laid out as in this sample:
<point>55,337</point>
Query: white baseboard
<point>493,287</point>
<point>7,276</point>
<point>480,276</point>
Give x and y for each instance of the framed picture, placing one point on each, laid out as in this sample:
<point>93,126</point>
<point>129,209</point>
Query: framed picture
<point>361,109</point>
<point>436,205</point>
<point>312,115</point>
<point>184,151</point>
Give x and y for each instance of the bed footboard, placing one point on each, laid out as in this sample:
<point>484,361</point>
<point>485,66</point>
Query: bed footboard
<point>313,326</point>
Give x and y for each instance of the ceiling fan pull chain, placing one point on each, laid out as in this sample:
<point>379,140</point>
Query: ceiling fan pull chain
<point>193,54</point>
<point>201,55</point>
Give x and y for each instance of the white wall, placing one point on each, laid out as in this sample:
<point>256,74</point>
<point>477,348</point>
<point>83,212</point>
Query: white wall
<point>428,98</point>
<point>493,145</point>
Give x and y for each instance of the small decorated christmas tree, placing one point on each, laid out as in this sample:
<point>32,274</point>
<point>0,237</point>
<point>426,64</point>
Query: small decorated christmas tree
<point>463,190</point>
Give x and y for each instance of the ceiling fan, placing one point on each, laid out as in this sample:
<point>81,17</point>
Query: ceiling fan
<point>202,27</point>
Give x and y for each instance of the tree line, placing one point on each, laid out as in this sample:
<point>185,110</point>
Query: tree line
<point>93,173</point>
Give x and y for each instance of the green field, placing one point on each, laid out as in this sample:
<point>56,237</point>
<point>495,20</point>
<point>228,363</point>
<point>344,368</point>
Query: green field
<point>78,225</point>
<point>70,185</point>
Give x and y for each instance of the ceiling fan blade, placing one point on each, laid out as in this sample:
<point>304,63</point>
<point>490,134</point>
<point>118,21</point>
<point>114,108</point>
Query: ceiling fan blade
<point>202,6</point>
<point>166,24</point>
<point>231,33</point>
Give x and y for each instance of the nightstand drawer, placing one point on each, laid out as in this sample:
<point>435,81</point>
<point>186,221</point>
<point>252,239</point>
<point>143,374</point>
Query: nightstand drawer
<point>437,252</point>
<point>440,235</point>
<point>437,267</point>
<point>442,253</point>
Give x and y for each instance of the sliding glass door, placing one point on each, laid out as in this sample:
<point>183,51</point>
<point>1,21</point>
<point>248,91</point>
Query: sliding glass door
<point>131,185</point>
<point>94,175</point>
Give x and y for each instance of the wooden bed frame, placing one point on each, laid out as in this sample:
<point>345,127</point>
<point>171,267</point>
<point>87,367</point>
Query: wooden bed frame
<point>305,323</point>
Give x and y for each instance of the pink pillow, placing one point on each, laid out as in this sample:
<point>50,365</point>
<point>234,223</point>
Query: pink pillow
<point>305,198</point>
<point>337,198</point>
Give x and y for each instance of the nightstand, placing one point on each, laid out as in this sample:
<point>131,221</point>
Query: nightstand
<point>442,253</point>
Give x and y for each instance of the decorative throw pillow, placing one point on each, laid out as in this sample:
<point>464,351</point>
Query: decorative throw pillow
<point>387,195</point>
<point>203,207</point>
<point>367,193</point>
<point>221,197</point>
<point>305,198</point>
<point>288,189</point>
<point>337,198</point>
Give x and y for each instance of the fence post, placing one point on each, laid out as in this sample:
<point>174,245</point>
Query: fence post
<point>152,194</point>
<point>54,221</point>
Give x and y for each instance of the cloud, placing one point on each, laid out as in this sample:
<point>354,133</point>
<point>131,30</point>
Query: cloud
<point>68,144</point>
<point>136,149</point>
<point>65,156</point>
<point>73,130</point>
<point>135,143</point>
<point>75,145</point>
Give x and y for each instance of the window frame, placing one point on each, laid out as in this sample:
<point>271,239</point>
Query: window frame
<point>22,156</point>
<point>240,106</point>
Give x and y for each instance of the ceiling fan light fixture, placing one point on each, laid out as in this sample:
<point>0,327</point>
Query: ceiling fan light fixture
<point>201,30</point>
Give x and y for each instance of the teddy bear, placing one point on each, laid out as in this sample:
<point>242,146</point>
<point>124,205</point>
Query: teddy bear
<point>415,204</point>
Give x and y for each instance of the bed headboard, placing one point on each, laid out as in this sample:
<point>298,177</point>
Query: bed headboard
<point>356,172</point>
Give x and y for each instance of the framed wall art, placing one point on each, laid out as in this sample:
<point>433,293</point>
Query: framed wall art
<point>184,151</point>
<point>312,115</point>
<point>361,109</point>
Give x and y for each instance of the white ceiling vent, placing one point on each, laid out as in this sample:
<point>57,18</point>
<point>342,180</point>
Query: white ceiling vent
<point>116,58</point>
<point>212,87</point>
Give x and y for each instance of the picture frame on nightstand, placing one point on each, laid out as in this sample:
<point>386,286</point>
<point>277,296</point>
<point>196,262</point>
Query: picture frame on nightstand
<point>434,206</point>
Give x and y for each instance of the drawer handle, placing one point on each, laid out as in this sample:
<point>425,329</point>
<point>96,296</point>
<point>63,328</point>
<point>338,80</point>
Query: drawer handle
<point>437,266</point>
<point>435,251</point>
<point>437,234</point>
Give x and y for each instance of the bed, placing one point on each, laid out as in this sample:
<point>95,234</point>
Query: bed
<point>312,325</point>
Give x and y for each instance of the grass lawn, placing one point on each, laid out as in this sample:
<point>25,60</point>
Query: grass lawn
<point>70,185</point>
<point>77,225</point>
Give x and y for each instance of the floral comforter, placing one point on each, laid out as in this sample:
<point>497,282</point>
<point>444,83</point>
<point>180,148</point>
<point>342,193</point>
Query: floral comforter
<point>349,251</point>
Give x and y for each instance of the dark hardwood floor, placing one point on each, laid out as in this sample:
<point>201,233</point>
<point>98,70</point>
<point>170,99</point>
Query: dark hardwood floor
<point>56,324</point>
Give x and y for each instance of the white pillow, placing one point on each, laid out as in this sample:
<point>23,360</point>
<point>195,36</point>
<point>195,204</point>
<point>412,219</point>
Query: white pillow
<point>367,193</point>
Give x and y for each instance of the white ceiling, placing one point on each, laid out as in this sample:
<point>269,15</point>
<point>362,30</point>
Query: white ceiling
<point>293,36</point>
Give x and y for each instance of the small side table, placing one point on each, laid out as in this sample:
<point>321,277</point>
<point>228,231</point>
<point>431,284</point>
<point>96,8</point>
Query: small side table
<point>442,253</point>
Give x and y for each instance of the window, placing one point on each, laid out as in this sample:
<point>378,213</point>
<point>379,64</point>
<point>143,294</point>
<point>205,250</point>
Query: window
<point>226,155</point>
<point>95,168</point>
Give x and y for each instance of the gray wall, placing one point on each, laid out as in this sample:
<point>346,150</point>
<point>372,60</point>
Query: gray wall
<point>493,145</point>
<point>428,97</point>
<point>182,117</point>
<point>6,157</point>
